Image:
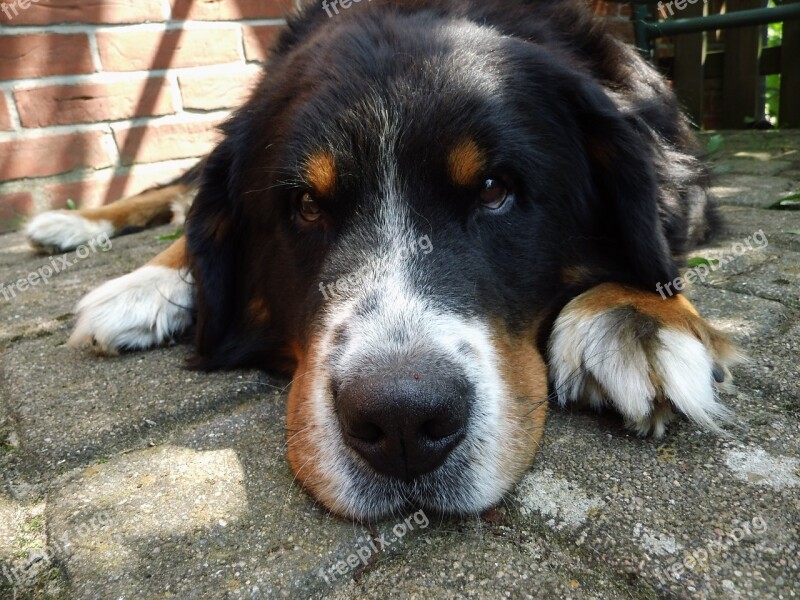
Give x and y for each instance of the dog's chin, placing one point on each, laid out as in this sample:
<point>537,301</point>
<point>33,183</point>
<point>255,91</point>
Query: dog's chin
<point>453,489</point>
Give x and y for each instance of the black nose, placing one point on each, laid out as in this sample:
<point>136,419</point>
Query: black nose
<point>403,425</point>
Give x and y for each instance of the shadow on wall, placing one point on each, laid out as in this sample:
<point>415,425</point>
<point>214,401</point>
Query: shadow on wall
<point>29,54</point>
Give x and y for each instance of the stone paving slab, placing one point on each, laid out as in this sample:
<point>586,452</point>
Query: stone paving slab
<point>130,477</point>
<point>759,191</point>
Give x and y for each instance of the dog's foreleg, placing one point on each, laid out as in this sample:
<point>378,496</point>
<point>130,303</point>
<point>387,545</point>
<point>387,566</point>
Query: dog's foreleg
<point>142,309</point>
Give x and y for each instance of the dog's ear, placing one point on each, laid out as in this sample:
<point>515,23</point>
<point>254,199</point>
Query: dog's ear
<point>626,183</point>
<point>214,244</point>
<point>233,327</point>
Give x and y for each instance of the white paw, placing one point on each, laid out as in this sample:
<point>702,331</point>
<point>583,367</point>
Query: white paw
<point>60,230</point>
<point>642,368</point>
<point>142,309</point>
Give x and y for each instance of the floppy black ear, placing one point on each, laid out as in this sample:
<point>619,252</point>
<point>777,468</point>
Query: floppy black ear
<point>212,250</point>
<point>625,179</point>
<point>216,235</point>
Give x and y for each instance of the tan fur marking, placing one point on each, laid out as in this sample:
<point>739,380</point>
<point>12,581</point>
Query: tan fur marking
<point>321,173</point>
<point>152,207</point>
<point>675,311</point>
<point>258,311</point>
<point>525,374</point>
<point>301,452</point>
<point>466,163</point>
<point>174,257</point>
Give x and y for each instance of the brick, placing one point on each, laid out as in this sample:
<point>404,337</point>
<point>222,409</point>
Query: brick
<point>91,103</point>
<point>40,157</point>
<point>147,50</point>
<point>91,193</point>
<point>215,93</point>
<point>5,115</point>
<point>228,10</point>
<point>258,41</point>
<point>155,143</point>
<point>14,207</point>
<point>87,11</point>
<point>85,194</point>
<point>622,30</point>
<point>43,54</point>
<point>603,8</point>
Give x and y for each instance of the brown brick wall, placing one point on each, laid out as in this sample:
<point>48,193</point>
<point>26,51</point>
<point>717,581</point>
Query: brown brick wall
<point>101,98</point>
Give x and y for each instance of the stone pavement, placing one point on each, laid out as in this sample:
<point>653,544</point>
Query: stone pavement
<point>131,477</point>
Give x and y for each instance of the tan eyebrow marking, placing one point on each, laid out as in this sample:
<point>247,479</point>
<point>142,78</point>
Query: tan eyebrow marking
<point>321,172</point>
<point>466,163</point>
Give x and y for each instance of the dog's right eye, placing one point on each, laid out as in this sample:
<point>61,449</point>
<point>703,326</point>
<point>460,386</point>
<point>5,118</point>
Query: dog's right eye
<point>495,193</point>
<point>307,208</point>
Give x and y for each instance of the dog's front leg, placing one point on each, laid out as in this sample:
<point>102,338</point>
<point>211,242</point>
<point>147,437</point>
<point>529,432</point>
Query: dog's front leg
<point>139,310</point>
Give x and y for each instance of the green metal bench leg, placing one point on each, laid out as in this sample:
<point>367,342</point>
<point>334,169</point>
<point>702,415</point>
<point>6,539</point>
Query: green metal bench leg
<point>641,14</point>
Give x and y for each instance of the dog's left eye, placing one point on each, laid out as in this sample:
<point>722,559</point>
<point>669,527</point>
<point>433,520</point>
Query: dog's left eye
<point>495,193</point>
<point>308,208</point>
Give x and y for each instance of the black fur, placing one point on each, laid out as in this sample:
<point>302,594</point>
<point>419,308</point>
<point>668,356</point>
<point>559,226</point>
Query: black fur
<point>598,153</point>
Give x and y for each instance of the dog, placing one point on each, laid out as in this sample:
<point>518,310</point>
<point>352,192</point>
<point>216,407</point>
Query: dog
<point>435,215</point>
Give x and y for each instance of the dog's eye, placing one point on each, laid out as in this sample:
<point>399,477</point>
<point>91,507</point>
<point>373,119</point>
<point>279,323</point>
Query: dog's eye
<point>495,193</point>
<point>308,208</point>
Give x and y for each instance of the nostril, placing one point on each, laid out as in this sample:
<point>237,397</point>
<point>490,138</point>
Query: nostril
<point>439,429</point>
<point>365,432</point>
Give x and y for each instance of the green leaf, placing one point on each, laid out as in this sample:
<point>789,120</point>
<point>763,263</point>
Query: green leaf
<point>788,203</point>
<point>696,261</point>
<point>171,237</point>
<point>71,205</point>
<point>715,143</point>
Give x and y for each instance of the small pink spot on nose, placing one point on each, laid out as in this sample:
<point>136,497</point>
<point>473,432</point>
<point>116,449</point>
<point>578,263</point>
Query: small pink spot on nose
<point>416,376</point>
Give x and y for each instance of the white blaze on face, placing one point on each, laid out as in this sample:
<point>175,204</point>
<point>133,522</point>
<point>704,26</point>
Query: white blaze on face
<point>403,326</point>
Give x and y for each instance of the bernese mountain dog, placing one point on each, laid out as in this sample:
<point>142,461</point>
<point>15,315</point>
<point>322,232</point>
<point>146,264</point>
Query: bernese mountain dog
<point>435,215</point>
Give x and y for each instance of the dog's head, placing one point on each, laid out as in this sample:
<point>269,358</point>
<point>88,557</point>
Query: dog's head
<point>391,217</point>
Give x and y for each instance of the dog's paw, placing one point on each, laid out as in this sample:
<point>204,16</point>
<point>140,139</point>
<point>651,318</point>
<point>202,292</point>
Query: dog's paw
<point>140,310</point>
<point>61,230</point>
<point>645,356</point>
